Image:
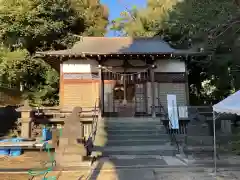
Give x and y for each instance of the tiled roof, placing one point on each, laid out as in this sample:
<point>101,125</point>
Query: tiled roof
<point>118,45</point>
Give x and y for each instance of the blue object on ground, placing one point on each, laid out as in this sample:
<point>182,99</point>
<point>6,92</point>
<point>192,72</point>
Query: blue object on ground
<point>4,152</point>
<point>46,134</point>
<point>16,151</point>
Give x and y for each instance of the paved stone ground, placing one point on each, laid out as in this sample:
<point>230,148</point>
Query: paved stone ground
<point>136,174</point>
<point>143,161</point>
<point>106,168</point>
<point>35,159</point>
<point>186,175</point>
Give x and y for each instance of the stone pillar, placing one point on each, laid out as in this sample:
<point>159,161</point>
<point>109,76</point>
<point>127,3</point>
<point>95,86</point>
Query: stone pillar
<point>26,119</point>
<point>153,91</point>
<point>226,126</point>
<point>71,150</point>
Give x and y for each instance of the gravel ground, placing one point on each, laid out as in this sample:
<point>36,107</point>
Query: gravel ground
<point>27,160</point>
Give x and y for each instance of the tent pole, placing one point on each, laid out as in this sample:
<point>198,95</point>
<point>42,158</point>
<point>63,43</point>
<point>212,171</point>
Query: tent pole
<point>214,142</point>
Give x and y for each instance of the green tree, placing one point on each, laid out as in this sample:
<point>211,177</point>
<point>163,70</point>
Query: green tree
<point>39,79</point>
<point>39,25</point>
<point>49,24</point>
<point>210,25</point>
<point>143,22</point>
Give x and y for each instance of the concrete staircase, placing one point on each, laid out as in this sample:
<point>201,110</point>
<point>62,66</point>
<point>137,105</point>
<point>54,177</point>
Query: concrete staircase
<point>136,141</point>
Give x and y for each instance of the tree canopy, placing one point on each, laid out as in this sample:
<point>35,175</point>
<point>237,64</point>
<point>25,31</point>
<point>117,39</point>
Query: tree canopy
<point>27,26</point>
<point>207,24</point>
<point>210,25</point>
<point>143,22</point>
<point>43,24</point>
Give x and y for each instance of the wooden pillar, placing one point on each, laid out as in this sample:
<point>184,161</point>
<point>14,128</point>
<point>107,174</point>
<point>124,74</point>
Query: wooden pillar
<point>125,66</point>
<point>61,87</point>
<point>153,90</point>
<point>101,90</point>
<point>125,89</point>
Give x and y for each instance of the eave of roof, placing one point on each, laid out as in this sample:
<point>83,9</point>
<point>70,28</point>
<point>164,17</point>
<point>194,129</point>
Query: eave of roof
<point>120,46</point>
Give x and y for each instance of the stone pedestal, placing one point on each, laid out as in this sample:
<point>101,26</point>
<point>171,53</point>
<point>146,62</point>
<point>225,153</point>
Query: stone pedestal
<point>71,150</point>
<point>26,118</point>
<point>26,128</point>
<point>69,153</point>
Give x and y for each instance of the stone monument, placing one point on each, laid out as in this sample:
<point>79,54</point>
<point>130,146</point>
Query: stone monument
<point>71,149</point>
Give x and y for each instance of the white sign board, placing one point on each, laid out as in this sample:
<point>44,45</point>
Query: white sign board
<point>173,111</point>
<point>183,111</point>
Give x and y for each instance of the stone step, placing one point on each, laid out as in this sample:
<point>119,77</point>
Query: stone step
<point>140,142</point>
<point>135,127</point>
<point>197,141</point>
<point>139,123</point>
<point>142,148</point>
<point>207,151</point>
<point>134,162</point>
<point>195,133</point>
<point>135,132</point>
<point>136,120</point>
<point>152,152</point>
<point>119,156</point>
<point>137,137</point>
<point>131,120</point>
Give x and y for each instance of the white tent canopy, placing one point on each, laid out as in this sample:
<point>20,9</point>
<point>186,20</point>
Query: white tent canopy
<point>230,105</point>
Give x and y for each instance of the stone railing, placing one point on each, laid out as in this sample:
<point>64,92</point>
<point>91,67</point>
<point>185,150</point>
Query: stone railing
<point>77,125</point>
<point>32,120</point>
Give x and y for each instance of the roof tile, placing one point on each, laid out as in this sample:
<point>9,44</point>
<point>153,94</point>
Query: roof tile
<point>118,45</point>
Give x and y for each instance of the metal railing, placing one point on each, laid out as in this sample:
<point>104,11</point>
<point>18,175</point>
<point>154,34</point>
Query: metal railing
<point>187,115</point>
<point>89,143</point>
<point>165,114</point>
<point>191,114</point>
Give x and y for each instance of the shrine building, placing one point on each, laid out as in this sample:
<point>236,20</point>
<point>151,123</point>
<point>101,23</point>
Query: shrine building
<point>121,75</point>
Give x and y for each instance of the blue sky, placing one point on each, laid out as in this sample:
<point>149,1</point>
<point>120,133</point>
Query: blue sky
<point>117,6</point>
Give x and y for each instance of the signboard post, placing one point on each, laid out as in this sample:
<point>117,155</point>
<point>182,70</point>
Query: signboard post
<point>173,111</point>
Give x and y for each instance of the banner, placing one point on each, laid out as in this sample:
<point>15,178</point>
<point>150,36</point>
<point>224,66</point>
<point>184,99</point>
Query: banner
<point>173,111</point>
